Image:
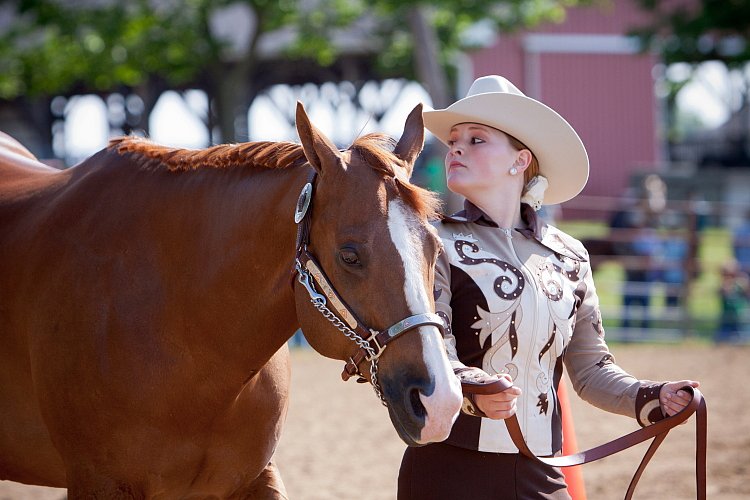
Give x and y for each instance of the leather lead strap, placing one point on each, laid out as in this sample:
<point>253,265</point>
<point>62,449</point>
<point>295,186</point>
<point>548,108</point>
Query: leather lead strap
<point>657,431</point>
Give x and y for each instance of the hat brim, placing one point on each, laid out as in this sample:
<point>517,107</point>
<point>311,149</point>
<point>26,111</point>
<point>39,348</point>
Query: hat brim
<point>558,148</point>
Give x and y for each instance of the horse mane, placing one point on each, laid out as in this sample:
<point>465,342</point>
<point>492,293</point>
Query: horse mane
<point>262,154</point>
<point>375,149</point>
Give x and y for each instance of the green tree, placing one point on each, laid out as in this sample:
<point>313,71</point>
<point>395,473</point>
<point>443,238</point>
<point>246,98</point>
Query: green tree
<point>58,47</point>
<point>698,31</point>
<point>423,39</point>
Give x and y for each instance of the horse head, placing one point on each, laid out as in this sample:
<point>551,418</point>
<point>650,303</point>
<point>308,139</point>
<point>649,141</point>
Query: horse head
<point>370,252</point>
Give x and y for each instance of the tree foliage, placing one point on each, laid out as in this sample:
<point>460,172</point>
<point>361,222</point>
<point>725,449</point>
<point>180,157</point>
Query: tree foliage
<point>695,31</point>
<point>453,24</point>
<point>57,47</point>
<point>53,47</point>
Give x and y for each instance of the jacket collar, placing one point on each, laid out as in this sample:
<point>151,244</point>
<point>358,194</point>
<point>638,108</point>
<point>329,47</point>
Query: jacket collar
<point>536,228</point>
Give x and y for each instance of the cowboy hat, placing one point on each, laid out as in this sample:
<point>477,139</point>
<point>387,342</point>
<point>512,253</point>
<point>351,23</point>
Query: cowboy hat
<point>494,101</point>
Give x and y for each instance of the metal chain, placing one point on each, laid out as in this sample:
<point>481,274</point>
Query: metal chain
<point>352,335</point>
<point>320,304</point>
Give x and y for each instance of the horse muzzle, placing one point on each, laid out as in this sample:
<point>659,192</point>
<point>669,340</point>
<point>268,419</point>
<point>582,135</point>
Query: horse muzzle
<point>423,396</point>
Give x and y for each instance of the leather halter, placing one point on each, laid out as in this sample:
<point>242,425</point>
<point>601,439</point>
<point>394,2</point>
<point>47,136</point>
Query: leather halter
<point>658,431</point>
<point>370,343</point>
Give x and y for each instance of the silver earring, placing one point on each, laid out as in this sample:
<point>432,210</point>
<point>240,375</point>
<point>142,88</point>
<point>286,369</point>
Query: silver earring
<point>513,171</point>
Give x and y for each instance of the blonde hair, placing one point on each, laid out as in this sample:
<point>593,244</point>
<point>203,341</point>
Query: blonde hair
<point>533,169</point>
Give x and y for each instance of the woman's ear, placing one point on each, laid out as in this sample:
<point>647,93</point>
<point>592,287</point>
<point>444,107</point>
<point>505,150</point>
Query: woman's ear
<point>523,160</point>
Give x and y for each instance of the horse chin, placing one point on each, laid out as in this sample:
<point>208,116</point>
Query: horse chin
<point>410,417</point>
<point>407,431</point>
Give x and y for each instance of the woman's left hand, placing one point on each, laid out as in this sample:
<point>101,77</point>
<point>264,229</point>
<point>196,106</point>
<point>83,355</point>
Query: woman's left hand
<point>673,399</point>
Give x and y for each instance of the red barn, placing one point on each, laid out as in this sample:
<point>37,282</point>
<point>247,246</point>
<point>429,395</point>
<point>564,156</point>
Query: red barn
<point>592,73</point>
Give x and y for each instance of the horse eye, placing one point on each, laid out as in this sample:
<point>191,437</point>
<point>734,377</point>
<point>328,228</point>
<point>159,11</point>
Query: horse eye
<point>349,257</point>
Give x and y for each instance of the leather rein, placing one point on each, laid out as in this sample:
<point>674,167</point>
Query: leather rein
<point>370,343</point>
<point>657,431</point>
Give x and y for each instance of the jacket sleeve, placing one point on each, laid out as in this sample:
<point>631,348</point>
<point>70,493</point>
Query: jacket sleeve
<point>443,307</point>
<point>592,369</point>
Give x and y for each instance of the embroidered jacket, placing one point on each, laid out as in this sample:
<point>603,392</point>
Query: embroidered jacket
<point>523,302</point>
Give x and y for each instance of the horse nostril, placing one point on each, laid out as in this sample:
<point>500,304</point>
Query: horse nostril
<point>416,404</point>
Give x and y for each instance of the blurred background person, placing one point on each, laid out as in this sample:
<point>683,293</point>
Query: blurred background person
<point>735,297</point>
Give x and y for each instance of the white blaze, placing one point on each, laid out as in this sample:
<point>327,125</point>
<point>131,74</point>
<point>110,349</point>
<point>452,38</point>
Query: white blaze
<point>445,402</point>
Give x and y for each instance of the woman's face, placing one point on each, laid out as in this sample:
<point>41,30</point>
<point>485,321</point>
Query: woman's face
<point>478,159</point>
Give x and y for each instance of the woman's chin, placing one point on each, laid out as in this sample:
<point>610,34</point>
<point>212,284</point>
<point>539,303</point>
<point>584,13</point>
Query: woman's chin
<point>458,185</point>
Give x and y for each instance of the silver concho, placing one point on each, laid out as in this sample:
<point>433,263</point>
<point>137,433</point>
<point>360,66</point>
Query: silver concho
<point>303,203</point>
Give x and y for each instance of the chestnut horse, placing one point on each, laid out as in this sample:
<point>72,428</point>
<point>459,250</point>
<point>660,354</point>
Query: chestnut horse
<point>147,294</point>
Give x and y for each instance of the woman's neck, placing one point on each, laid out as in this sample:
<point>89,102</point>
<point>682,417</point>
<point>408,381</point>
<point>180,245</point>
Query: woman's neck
<point>505,213</point>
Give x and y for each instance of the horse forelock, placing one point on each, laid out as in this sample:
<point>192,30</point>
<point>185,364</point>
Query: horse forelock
<point>264,154</point>
<point>377,151</point>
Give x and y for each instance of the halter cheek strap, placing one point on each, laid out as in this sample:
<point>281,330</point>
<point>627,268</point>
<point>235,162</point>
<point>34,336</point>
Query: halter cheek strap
<point>371,342</point>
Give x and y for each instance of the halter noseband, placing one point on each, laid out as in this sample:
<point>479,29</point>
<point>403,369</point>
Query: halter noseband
<point>370,343</point>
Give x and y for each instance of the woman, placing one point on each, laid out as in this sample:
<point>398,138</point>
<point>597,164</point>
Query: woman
<point>520,301</point>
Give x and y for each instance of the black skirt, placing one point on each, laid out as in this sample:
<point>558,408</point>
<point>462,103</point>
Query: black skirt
<point>443,472</point>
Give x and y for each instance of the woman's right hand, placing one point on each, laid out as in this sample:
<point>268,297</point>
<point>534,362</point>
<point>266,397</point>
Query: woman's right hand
<point>501,405</point>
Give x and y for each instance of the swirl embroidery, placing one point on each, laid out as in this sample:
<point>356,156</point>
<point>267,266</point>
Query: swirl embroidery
<point>568,267</point>
<point>507,286</point>
<point>550,282</point>
<point>446,322</point>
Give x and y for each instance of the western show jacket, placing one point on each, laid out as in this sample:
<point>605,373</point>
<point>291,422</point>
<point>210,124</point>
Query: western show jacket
<point>523,302</point>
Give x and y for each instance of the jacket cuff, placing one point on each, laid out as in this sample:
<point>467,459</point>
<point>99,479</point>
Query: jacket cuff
<point>470,407</point>
<point>647,405</point>
<point>473,376</point>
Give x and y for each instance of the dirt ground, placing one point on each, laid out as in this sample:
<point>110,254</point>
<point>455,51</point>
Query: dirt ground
<point>338,442</point>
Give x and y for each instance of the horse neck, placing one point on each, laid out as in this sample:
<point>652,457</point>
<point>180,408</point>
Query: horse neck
<point>233,230</point>
<point>256,273</point>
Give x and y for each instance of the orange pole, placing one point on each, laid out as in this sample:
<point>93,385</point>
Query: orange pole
<point>573,475</point>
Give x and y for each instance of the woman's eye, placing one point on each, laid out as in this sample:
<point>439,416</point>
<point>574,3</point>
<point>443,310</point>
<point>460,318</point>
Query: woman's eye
<point>349,257</point>
<point>476,140</point>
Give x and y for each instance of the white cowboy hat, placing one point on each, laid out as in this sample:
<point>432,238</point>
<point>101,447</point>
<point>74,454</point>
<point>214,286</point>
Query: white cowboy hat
<point>494,101</point>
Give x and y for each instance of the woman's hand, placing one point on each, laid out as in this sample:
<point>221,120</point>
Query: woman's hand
<point>501,405</point>
<point>673,399</point>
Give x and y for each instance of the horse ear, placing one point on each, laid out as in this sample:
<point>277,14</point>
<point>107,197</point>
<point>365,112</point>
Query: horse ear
<point>318,149</point>
<point>412,140</point>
